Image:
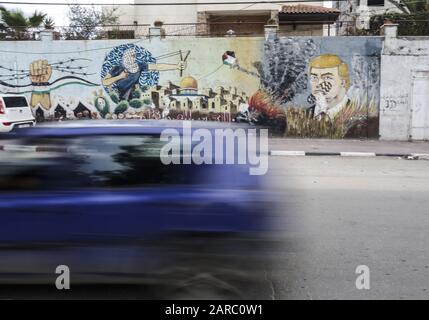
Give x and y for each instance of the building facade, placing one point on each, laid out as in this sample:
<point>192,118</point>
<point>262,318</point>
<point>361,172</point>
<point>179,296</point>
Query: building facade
<point>356,14</point>
<point>223,19</point>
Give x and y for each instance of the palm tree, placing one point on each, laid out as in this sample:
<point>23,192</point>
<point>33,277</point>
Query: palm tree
<point>49,23</point>
<point>16,22</point>
<point>19,24</point>
<point>36,19</point>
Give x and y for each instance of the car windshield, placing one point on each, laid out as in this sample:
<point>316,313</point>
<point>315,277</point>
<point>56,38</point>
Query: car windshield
<point>15,102</point>
<point>108,161</point>
<point>100,161</point>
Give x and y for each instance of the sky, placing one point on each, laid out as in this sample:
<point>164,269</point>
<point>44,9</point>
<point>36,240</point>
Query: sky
<point>58,13</point>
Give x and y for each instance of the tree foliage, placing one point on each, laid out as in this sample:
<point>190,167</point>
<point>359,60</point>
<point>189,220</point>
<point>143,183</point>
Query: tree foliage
<point>49,23</point>
<point>36,19</point>
<point>86,22</point>
<point>416,24</point>
<point>411,6</point>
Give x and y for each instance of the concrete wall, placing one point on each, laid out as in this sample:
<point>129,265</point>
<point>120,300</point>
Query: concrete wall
<point>272,80</point>
<point>298,86</point>
<point>402,60</point>
<point>67,79</point>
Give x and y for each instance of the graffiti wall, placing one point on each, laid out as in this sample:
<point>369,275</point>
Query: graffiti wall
<point>324,87</point>
<point>148,79</point>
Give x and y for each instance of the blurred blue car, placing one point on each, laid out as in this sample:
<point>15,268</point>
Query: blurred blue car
<point>94,195</point>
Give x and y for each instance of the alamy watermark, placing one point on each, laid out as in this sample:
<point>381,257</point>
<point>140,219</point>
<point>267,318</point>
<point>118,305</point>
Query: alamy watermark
<point>63,280</point>
<point>363,280</point>
<point>217,146</point>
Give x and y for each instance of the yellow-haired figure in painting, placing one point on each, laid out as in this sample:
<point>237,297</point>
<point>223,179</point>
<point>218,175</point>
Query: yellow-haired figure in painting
<point>332,113</point>
<point>329,81</point>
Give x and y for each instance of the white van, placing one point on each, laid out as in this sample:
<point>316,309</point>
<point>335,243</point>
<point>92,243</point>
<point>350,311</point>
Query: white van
<point>15,113</point>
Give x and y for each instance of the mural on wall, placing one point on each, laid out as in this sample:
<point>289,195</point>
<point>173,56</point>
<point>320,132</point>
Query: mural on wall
<point>303,86</point>
<point>130,78</point>
<point>309,88</point>
<point>324,92</point>
<point>128,68</point>
<point>259,109</point>
<point>40,85</point>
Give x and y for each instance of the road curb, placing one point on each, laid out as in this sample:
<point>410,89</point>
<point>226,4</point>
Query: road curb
<point>281,153</point>
<point>31,148</point>
<point>348,154</point>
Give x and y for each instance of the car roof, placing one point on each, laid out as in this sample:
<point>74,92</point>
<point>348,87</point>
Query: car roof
<point>115,127</point>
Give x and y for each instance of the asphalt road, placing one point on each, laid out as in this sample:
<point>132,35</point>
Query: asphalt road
<point>339,213</point>
<point>350,212</point>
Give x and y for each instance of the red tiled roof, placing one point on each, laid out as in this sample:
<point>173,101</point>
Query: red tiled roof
<point>304,8</point>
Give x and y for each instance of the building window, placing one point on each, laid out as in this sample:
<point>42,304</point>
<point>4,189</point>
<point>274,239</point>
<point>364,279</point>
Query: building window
<point>375,3</point>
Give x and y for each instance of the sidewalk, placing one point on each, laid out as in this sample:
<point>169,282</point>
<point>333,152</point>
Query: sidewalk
<point>290,146</point>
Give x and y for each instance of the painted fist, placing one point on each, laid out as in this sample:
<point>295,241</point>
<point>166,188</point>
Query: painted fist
<point>40,71</point>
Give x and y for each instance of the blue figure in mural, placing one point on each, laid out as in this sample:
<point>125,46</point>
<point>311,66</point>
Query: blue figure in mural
<point>128,67</point>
